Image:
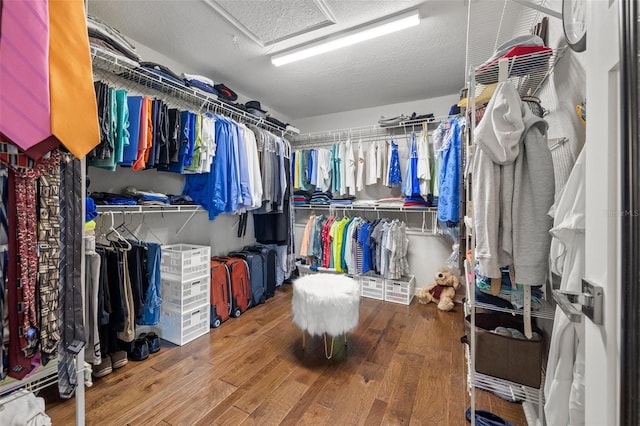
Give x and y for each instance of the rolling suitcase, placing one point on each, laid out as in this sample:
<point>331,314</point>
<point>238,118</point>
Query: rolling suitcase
<point>220,283</point>
<point>270,259</point>
<point>256,275</point>
<point>239,284</point>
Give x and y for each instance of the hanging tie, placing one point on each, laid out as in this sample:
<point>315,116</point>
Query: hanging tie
<point>74,114</point>
<point>24,73</point>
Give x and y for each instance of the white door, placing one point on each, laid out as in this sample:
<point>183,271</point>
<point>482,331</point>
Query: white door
<point>602,211</point>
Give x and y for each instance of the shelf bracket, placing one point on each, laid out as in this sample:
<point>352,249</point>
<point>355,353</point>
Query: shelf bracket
<point>590,301</point>
<point>187,221</point>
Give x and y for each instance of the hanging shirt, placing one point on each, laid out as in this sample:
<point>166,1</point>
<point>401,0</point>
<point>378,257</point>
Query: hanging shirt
<point>208,140</point>
<point>359,168</point>
<point>371,168</point>
<point>387,165</point>
<point>449,182</point>
<point>314,167</point>
<point>130,153</point>
<point>324,170</point>
<point>411,184</point>
<point>424,163</point>
<point>350,168</point>
<point>380,156</point>
<point>253,167</point>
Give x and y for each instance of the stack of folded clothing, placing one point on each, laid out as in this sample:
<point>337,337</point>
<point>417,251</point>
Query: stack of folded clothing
<point>391,202</point>
<point>321,198</point>
<point>147,198</point>
<point>301,198</point>
<point>509,296</point>
<point>168,76</point>
<point>343,200</point>
<point>200,82</point>
<point>365,203</point>
<point>106,198</point>
<point>416,202</point>
<point>181,200</point>
<point>107,37</point>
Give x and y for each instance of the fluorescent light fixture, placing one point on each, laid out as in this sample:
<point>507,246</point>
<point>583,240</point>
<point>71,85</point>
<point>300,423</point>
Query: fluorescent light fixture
<point>368,32</point>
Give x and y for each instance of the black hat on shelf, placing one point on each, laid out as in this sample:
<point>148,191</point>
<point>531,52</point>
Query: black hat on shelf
<point>224,93</point>
<point>255,108</point>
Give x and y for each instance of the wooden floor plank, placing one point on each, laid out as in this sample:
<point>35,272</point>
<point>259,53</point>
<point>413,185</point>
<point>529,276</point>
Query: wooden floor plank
<point>277,403</point>
<point>432,389</point>
<point>252,370</point>
<point>400,406</point>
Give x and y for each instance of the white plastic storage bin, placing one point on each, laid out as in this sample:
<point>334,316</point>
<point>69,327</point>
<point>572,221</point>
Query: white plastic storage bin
<point>400,290</point>
<point>372,287</point>
<point>181,328</point>
<point>184,262</point>
<point>186,295</point>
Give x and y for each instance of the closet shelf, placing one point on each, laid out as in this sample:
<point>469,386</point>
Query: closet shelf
<point>40,379</point>
<point>547,311</point>
<point>113,68</point>
<point>505,388</point>
<point>526,72</point>
<point>368,208</point>
<point>140,209</point>
<point>364,133</point>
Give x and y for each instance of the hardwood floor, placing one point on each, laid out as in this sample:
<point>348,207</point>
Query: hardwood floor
<point>404,365</point>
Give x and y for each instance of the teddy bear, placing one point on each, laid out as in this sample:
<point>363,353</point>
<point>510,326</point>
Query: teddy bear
<point>442,291</point>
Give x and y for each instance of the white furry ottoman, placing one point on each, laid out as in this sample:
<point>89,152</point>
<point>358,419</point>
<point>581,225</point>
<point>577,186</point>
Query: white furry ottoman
<point>325,304</point>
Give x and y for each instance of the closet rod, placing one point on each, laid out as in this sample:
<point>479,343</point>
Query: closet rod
<point>377,130</point>
<point>111,68</point>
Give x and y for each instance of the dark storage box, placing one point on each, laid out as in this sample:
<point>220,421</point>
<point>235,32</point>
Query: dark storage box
<point>505,357</point>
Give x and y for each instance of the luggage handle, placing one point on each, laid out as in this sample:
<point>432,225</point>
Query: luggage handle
<point>195,312</point>
<point>196,282</point>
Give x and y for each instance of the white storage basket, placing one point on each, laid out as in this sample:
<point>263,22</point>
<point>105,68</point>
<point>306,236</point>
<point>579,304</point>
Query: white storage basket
<point>400,290</point>
<point>181,328</point>
<point>372,287</point>
<point>187,295</point>
<point>184,262</point>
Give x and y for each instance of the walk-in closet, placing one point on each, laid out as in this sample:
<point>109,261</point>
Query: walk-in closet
<point>326,212</point>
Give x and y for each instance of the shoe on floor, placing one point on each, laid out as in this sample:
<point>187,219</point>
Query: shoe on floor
<point>119,359</point>
<point>103,368</point>
<point>153,341</point>
<point>140,349</point>
<point>486,418</point>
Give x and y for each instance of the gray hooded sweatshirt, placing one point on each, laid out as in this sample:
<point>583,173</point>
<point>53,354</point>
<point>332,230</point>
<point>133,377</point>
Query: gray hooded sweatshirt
<point>512,189</point>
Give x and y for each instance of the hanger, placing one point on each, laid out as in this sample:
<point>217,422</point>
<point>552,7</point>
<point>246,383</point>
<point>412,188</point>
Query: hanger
<point>147,229</point>
<point>116,239</point>
<point>123,227</point>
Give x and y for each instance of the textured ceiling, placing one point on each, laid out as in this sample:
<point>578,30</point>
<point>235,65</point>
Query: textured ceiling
<point>421,62</point>
<point>274,20</point>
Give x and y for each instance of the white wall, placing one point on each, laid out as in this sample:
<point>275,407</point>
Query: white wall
<point>370,116</point>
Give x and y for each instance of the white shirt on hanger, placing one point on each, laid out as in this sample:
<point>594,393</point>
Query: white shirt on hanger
<point>380,151</point>
<point>255,178</point>
<point>371,168</point>
<point>385,181</point>
<point>360,168</point>
<point>350,168</point>
<point>424,164</point>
